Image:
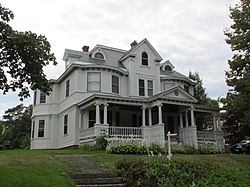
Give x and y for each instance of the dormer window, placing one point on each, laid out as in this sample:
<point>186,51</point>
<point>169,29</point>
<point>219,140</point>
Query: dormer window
<point>99,56</point>
<point>168,68</point>
<point>144,59</point>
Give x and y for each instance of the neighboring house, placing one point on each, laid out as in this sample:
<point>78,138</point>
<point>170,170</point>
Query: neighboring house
<point>122,93</point>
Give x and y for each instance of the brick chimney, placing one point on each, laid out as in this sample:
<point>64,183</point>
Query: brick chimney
<point>133,44</point>
<point>85,48</point>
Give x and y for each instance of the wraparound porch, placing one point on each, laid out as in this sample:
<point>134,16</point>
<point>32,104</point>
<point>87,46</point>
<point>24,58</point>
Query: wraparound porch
<point>147,121</point>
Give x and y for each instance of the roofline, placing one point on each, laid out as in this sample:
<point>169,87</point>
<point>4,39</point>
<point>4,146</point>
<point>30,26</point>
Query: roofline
<point>107,47</point>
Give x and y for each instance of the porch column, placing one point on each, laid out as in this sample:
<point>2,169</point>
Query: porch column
<point>192,116</point>
<point>219,123</point>
<point>186,118</point>
<point>160,113</point>
<point>214,122</point>
<point>105,115</point>
<point>143,116</point>
<point>181,120</point>
<point>97,113</point>
<point>149,117</point>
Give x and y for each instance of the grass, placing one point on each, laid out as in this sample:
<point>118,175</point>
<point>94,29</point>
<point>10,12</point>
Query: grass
<point>32,168</point>
<point>40,168</point>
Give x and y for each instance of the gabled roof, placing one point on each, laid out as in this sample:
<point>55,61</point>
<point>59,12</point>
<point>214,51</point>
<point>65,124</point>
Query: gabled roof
<point>175,93</point>
<point>131,51</point>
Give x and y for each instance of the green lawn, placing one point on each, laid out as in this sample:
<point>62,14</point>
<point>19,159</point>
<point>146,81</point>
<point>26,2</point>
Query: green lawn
<point>28,168</point>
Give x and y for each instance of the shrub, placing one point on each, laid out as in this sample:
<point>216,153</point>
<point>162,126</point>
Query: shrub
<point>177,173</point>
<point>156,149</point>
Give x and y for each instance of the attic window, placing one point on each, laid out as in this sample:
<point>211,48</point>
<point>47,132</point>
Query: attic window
<point>168,68</point>
<point>144,59</point>
<point>99,56</point>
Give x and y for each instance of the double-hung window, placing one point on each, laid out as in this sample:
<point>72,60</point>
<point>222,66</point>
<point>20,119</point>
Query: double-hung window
<point>94,81</point>
<point>41,128</point>
<point>150,88</point>
<point>67,88</point>
<point>33,129</point>
<point>42,97</point>
<point>115,84</point>
<point>35,97</point>
<point>141,87</point>
<point>65,129</point>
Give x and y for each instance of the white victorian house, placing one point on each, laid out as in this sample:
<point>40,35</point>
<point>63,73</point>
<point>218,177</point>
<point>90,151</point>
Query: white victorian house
<point>122,92</point>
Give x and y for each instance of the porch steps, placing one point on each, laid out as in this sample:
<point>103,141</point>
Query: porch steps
<point>97,180</point>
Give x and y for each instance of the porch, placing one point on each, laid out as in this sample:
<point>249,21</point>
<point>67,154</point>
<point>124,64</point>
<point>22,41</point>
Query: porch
<point>148,121</point>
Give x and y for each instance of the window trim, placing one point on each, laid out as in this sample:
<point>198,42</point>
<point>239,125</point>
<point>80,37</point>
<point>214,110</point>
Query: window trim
<point>33,129</point>
<point>117,86</point>
<point>142,88</point>
<point>88,82</point>
<point>144,59</point>
<point>99,52</point>
<point>150,89</point>
<point>41,129</point>
<point>42,97</point>
<point>65,124</point>
<point>35,97</point>
<point>67,88</point>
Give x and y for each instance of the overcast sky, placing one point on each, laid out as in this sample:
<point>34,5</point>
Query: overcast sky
<point>189,33</point>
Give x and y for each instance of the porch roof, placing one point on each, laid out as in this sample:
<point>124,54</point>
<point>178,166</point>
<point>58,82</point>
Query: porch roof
<point>175,95</point>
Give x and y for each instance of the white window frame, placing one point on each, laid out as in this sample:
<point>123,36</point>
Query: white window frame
<point>93,81</point>
<point>67,87</point>
<point>150,89</point>
<point>42,97</point>
<point>65,124</point>
<point>41,129</point>
<point>115,85</point>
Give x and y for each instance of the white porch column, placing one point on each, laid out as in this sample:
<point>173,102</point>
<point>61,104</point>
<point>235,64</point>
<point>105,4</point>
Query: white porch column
<point>105,115</point>
<point>97,113</point>
<point>181,120</point>
<point>192,116</point>
<point>186,118</point>
<point>214,122</point>
<point>160,113</point>
<point>149,117</point>
<point>219,123</point>
<point>143,116</point>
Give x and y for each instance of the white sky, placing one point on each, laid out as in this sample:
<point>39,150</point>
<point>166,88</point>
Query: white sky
<point>189,33</point>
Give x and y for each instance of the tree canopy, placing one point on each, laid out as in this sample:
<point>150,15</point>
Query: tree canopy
<point>22,58</point>
<point>200,92</point>
<point>16,126</point>
<point>238,77</point>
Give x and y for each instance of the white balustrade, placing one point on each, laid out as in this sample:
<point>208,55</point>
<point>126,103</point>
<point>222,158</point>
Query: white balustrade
<point>125,131</point>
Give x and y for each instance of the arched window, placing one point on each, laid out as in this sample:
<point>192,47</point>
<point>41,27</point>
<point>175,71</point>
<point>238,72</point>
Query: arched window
<point>168,68</point>
<point>99,56</point>
<point>144,59</point>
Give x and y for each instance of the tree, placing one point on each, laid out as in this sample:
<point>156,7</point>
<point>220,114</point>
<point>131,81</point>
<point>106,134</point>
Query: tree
<point>17,125</point>
<point>200,92</point>
<point>22,58</point>
<point>204,121</point>
<point>238,77</point>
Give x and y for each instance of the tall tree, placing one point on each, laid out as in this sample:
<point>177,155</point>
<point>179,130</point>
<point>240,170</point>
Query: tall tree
<point>17,125</point>
<point>22,58</point>
<point>238,77</point>
<point>200,92</point>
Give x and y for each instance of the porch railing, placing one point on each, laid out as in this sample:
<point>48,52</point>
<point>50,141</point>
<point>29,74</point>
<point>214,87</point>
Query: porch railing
<point>205,135</point>
<point>125,132</point>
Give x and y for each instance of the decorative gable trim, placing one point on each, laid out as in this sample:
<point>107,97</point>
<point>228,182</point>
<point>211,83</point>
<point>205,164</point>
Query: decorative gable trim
<point>176,93</point>
<point>131,51</point>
